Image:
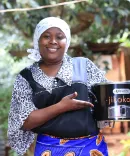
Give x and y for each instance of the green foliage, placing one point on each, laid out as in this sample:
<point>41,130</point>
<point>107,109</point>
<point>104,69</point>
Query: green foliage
<point>18,28</point>
<point>8,70</point>
<point>126,148</point>
<point>5,96</point>
<point>111,20</point>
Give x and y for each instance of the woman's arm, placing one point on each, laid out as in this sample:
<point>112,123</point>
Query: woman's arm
<point>20,109</point>
<point>40,116</point>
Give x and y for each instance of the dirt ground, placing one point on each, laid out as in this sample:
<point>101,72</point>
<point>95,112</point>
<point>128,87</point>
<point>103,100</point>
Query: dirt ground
<point>114,146</point>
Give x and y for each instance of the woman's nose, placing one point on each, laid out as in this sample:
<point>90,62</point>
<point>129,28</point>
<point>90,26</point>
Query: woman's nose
<point>53,40</point>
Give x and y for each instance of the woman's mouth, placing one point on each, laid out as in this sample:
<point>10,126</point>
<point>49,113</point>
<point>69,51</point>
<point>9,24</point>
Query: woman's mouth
<point>52,50</point>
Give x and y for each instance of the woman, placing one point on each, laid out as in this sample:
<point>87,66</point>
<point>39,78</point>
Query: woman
<point>50,98</point>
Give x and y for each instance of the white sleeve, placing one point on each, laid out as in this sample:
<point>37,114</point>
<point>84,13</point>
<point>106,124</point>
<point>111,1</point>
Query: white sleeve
<point>94,74</point>
<point>21,106</point>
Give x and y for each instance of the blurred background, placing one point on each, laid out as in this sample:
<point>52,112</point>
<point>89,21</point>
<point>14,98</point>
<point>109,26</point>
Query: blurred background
<point>100,31</point>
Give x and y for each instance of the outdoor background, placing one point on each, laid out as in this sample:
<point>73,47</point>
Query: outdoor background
<point>100,31</point>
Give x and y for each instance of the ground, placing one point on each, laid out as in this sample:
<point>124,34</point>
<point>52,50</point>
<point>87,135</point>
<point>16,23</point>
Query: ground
<point>114,145</point>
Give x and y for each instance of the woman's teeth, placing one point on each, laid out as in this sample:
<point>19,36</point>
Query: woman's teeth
<point>52,49</point>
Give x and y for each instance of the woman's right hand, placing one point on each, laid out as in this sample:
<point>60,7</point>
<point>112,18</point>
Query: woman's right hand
<point>69,103</point>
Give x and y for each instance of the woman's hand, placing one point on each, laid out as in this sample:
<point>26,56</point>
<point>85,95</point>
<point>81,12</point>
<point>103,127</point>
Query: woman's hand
<point>68,103</point>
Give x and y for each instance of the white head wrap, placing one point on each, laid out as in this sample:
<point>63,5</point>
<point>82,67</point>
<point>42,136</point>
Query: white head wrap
<point>42,26</point>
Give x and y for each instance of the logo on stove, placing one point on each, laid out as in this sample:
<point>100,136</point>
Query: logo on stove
<point>121,91</point>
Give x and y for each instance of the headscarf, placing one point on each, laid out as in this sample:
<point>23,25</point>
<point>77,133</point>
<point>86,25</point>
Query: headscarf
<point>41,27</point>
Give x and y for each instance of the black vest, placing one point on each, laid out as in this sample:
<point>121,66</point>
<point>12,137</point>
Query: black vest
<point>69,124</point>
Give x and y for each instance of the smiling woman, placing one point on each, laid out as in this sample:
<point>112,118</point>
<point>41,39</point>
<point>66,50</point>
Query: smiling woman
<point>50,98</point>
<point>52,44</point>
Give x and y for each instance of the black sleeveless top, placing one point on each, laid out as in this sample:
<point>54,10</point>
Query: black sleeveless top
<point>69,124</point>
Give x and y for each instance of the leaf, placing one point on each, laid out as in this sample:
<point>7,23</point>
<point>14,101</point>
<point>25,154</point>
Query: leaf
<point>109,9</point>
<point>116,2</point>
<point>98,20</point>
<point>122,154</point>
<point>8,5</point>
<point>123,12</point>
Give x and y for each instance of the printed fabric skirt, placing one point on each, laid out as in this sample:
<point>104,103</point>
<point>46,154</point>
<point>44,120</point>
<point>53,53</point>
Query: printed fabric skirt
<point>86,146</point>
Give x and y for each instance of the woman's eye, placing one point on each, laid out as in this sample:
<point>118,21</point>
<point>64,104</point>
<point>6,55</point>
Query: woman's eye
<point>60,37</point>
<point>46,36</point>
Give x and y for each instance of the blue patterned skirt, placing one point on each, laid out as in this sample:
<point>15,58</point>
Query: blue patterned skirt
<point>84,146</point>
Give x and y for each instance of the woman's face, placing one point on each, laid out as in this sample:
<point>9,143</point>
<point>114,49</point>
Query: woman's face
<point>52,44</point>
